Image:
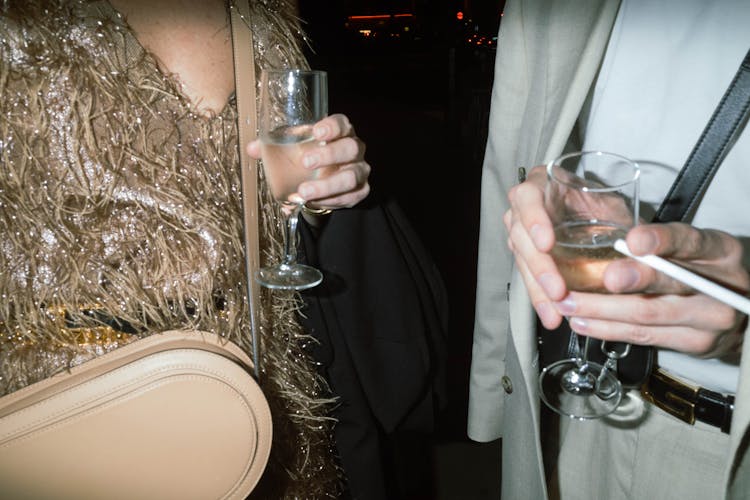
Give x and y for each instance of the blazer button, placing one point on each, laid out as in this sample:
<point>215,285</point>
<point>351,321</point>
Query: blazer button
<point>507,384</point>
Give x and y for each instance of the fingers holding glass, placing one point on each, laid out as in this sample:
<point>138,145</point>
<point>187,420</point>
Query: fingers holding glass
<point>333,127</point>
<point>293,101</point>
<point>693,323</point>
<point>591,199</point>
<point>341,186</point>
<point>709,252</point>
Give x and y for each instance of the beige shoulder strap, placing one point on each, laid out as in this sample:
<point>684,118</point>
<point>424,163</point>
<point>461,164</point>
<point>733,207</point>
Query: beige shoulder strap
<point>245,90</point>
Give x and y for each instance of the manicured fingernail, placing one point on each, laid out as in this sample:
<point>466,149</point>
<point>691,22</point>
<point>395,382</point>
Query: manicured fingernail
<point>535,235</point>
<point>578,325</point>
<point>320,131</point>
<point>310,161</point>
<point>547,282</point>
<point>566,307</point>
<point>648,242</point>
<point>546,312</point>
<point>296,198</point>
<point>627,278</point>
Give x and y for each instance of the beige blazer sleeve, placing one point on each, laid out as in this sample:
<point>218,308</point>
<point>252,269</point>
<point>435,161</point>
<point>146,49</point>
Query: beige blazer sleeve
<point>548,54</point>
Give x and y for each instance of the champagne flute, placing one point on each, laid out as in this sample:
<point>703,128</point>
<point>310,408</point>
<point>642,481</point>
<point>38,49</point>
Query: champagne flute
<point>291,102</point>
<point>592,200</point>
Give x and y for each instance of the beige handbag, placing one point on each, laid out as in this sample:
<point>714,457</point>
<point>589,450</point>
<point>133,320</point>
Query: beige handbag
<point>173,415</point>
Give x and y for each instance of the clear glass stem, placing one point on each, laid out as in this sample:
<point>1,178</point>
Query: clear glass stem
<point>290,236</point>
<point>579,380</point>
<point>607,386</point>
<point>575,351</point>
<point>583,358</point>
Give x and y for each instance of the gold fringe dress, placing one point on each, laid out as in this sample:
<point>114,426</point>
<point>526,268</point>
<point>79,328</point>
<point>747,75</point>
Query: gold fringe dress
<point>120,217</point>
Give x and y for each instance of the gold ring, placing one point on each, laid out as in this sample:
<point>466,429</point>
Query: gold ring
<point>316,211</point>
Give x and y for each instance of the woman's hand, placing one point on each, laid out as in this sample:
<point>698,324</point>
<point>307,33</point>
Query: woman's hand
<point>339,147</point>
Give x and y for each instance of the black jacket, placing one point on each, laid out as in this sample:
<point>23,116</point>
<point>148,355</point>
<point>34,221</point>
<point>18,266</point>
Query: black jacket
<point>383,305</point>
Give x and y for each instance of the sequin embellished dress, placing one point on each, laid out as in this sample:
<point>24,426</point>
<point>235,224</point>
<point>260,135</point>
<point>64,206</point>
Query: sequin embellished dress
<point>120,215</point>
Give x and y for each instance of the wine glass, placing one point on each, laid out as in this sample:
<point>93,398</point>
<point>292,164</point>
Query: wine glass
<point>592,200</point>
<point>291,102</point>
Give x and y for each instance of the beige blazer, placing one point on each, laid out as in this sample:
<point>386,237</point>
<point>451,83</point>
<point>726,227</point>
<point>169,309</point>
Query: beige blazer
<point>549,52</point>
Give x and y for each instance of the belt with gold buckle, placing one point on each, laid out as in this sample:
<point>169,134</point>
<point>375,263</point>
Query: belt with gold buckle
<point>104,330</point>
<point>687,402</point>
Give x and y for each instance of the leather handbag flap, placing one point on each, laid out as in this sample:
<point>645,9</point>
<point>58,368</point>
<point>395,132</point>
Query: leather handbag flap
<point>174,415</point>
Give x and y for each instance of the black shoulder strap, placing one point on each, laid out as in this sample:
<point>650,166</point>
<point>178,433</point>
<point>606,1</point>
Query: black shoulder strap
<point>717,139</point>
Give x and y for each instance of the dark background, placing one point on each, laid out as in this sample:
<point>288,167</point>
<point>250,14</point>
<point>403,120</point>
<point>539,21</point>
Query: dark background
<point>417,89</point>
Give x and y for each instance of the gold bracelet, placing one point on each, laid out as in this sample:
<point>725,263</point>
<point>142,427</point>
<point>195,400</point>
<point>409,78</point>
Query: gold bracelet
<point>316,211</point>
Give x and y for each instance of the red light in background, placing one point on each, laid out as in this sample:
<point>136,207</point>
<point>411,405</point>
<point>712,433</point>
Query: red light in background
<point>378,17</point>
<point>459,15</point>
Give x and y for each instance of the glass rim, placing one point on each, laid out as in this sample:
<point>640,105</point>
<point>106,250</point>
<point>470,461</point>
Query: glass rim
<point>552,164</point>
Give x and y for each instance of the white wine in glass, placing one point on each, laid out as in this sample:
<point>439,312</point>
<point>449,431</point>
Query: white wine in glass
<point>282,150</point>
<point>292,101</point>
<point>583,250</point>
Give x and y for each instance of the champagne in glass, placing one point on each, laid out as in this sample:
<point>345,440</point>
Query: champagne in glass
<point>582,252</point>
<point>292,101</point>
<point>592,200</point>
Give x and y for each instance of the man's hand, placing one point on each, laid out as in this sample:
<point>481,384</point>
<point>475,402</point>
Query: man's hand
<point>649,308</point>
<point>645,307</point>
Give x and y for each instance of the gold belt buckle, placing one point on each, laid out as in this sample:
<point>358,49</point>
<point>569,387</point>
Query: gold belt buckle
<point>95,335</point>
<point>675,399</point>
<point>101,335</point>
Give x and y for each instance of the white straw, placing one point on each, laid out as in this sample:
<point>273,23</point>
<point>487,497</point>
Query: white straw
<point>689,278</point>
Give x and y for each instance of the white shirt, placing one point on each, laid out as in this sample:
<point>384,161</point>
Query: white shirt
<point>667,65</point>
